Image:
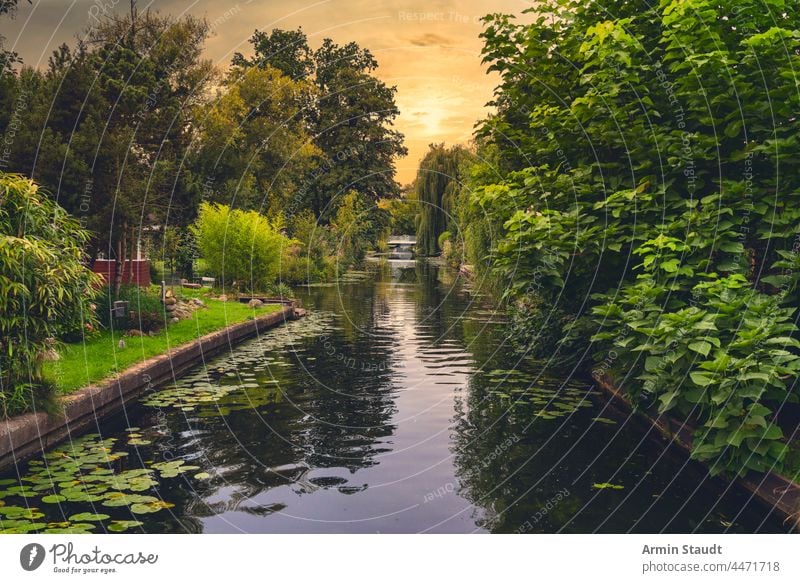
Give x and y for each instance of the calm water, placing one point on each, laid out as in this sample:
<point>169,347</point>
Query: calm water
<point>396,406</point>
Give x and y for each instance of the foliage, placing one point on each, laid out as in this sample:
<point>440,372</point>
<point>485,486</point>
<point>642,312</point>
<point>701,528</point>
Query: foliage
<point>44,287</point>
<point>241,247</point>
<point>312,258</point>
<point>108,125</point>
<point>654,217</point>
<point>145,310</point>
<point>254,147</point>
<point>178,250</point>
<point>86,471</point>
<point>100,356</point>
<point>403,212</point>
<point>437,185</point>
<point>444,237</point>
<point>357,222</point>
<point>347,109</point>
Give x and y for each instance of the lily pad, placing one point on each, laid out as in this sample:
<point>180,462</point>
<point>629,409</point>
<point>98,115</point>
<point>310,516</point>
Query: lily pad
<point>604,420</point>
<point>88,516</point>
<point>123,525</point>
<point>607,486</point>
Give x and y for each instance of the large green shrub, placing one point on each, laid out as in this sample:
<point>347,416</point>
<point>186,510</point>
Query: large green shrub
<point>145,309</point>
<point>45,288</point>
<point>646,156</point>
<point>311,258</point>
<point>240,247</point>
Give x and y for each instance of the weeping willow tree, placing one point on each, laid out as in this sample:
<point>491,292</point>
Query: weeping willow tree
<point>437,185</point>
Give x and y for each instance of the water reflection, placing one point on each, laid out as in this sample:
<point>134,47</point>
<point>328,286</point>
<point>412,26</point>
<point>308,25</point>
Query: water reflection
<point>397,406</point>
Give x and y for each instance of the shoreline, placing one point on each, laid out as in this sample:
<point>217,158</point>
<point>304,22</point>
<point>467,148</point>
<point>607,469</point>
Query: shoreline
<point>29,434</point>
<point>770,489</point>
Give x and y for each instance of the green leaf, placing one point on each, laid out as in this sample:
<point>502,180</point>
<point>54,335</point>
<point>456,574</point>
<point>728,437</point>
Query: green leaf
<point>88,517</point>
<point>700,378</point>
<point>701,347</point>
<point>607,486</point>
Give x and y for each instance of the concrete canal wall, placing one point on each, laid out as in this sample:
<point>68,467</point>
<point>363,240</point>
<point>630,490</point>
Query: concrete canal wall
<point>30,434</point>
<point>772,489</point>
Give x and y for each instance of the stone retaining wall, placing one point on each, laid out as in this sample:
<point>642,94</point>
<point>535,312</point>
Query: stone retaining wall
<point>30,434</point>
<point>775,491</point>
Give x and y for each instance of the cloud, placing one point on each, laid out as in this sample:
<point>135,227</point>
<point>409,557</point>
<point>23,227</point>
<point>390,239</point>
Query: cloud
<point>431,39</point>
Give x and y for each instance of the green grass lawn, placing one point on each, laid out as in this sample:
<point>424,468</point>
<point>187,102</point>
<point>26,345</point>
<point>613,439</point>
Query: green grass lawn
<point>100,356</point>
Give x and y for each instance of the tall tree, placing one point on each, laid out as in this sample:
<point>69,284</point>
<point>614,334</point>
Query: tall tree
<point>350,117</point>
<point>436,185</point>
<point>110,126</point>
<point>8,84</point>
<point>254,149</point>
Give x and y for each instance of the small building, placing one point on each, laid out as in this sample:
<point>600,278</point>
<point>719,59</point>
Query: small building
<point>133,271</point>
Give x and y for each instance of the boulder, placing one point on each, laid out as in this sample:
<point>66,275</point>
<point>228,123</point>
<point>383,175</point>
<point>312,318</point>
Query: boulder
<point>255,303</point>
<point>50,354</point>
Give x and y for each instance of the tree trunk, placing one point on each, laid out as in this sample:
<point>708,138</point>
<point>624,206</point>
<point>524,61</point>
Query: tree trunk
<point>122,250</point>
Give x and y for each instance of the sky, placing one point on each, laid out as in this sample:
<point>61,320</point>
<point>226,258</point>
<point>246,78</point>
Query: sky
<point>429,50</point>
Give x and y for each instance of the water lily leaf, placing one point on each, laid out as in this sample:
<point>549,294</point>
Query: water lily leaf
<point>88,516</point>
<point>150,507</point>
<point>123,525</point>
<point>202,476</point>
<point>53,499</point>
<point>136,442</point>
<point>74,529</point>
<point>607,486</point>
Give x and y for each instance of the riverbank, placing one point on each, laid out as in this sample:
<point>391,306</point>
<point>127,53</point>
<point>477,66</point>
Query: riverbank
<point>32,433</point>
<point>101,356</point>
<point>771,489</point>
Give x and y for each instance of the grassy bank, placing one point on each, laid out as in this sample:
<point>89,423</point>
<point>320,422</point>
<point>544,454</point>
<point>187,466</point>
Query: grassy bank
<point>100,356</point>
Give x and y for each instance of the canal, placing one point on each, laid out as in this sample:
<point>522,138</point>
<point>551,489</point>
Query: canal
<point>397,405</point>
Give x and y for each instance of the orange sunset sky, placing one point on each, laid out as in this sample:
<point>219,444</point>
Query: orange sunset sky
<point>430,50</point>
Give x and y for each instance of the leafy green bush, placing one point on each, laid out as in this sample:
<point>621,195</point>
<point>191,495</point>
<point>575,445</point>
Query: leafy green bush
<point>355,227</point>
<point>442,239</point>
<point>658,213</point>
<point>44,288</point>
<point>310,259</point>
<point>145,310</point>
<point>241,248</point>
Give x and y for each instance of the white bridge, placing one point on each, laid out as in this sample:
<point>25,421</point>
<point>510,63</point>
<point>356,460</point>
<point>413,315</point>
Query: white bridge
<point>402,241</point>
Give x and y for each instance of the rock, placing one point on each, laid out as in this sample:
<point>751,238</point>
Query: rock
<point>50,354</point>
<point>198,302</point>
<point>135,332</point>
<point>223,298</point>
<point>254,303</point>
<point>175,320</point>
<point>121,344</point>
<point>170,307</point>
<point>170,301</point>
